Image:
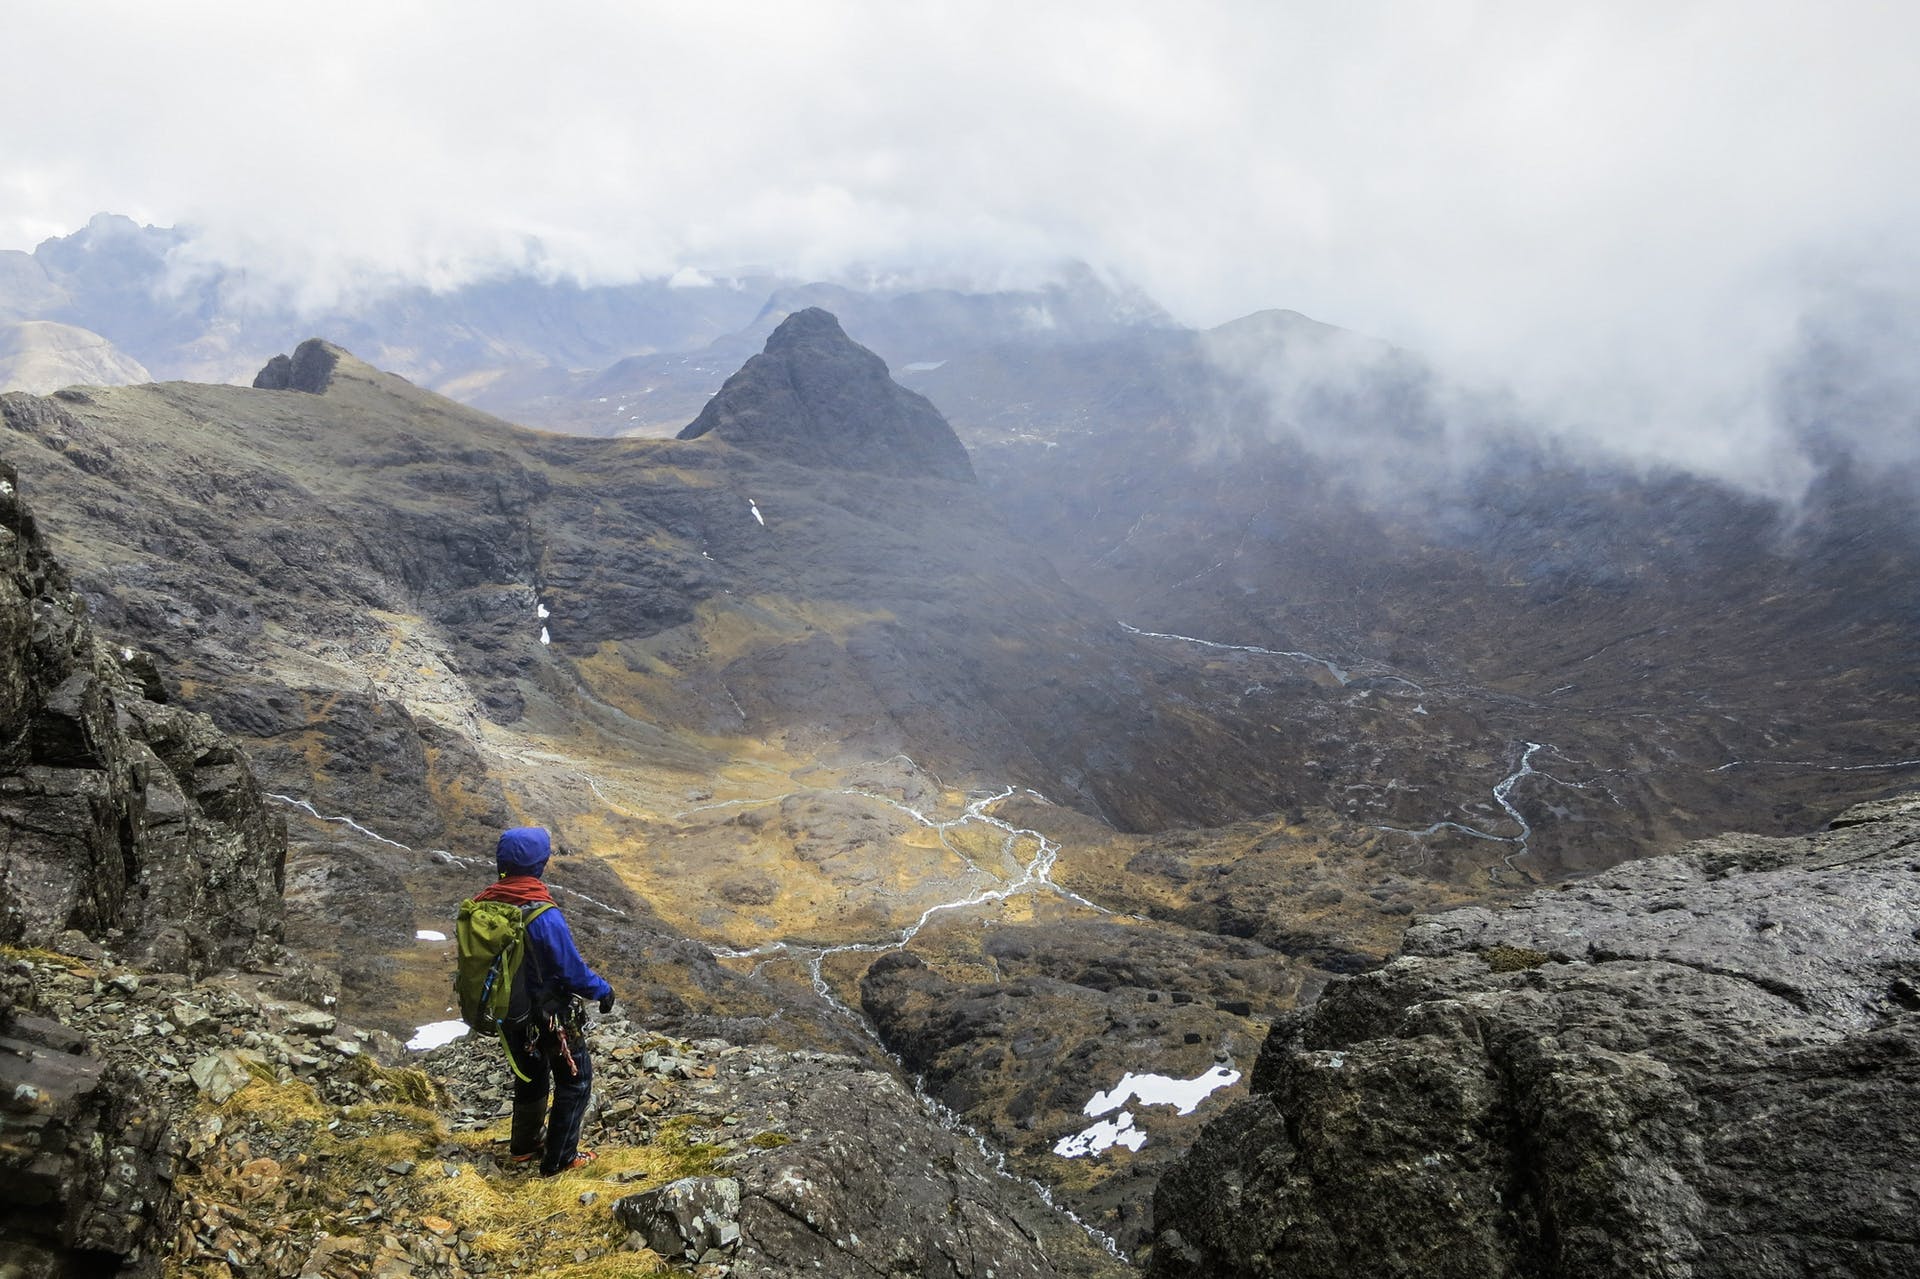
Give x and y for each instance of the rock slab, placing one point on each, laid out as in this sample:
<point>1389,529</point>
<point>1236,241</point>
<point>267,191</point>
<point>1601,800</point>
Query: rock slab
<point>685,1218</point>
<point>1700,1065</point>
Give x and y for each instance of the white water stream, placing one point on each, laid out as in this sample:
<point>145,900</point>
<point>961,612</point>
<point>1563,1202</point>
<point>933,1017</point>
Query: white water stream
<point>1035,876</point>
<point>1502,790</point>
<point>1339,674</point>
<point>1816,766</point>
<point>1502,795</point>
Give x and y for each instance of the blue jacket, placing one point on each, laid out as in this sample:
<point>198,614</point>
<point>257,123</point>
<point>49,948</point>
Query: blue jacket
<point>556,961</point>
<point>553,959</point>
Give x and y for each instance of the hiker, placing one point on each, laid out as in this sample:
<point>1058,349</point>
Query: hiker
<point>544,1035</point>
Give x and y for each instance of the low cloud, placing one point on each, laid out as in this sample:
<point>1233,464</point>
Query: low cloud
<point>1624,215</point>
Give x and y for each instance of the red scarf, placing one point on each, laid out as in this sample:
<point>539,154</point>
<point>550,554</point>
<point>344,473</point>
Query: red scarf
<point>517,890</point>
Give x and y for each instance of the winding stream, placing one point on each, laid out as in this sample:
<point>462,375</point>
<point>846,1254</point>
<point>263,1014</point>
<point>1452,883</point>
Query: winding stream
<point>1502,792</point>
<point>1035,877</point>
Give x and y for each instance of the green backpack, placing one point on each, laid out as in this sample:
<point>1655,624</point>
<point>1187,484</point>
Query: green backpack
<point>492,938</point>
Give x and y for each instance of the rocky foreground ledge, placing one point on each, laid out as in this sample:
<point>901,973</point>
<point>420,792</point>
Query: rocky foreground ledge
<point>1698,1065</point>
<point>217,1129</point>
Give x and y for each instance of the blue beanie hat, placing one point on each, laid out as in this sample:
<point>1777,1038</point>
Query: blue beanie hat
<point>524,850</point>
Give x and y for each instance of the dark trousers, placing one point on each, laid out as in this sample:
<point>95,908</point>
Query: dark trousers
<point>540,1052</point>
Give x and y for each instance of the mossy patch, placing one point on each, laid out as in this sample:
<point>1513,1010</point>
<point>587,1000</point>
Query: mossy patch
<point>1513,959</point>
<point>278,1106</point>
<point>36,955</point>
<point>685,1156</point>
<point>538,1223</point>
<point>404,1084</point>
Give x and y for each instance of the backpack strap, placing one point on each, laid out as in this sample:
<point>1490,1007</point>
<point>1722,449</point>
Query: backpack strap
<point>529,912</point>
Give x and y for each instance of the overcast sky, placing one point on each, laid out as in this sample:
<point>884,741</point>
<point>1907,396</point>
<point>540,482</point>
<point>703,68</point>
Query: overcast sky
<point>1622,207</point>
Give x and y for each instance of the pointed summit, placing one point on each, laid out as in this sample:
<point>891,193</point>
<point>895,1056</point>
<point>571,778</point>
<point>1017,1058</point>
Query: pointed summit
<point>816,397</point>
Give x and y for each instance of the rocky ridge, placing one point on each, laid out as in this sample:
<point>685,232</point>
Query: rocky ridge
<point>1696,1065</point>
<point>255,1134</point>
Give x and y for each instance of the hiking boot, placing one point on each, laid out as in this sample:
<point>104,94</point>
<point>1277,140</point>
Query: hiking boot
<point>521,1161</point>
<point>580,1160</point>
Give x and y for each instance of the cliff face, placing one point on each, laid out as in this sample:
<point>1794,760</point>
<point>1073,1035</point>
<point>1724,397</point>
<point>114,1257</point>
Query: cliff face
<point>1699,1065</point>
<point>119,811</point>
<point>121,817</point>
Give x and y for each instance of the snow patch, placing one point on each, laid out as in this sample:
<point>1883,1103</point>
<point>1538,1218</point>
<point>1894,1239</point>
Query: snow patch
<point>1161,1090</point>
<point>544,637</point>
<point>540,611</point>
<point>436,1033</point>
<point>755,508</point>
<point>1108,1133</point>
<point>428,934</point>
<point>1184,1095</point>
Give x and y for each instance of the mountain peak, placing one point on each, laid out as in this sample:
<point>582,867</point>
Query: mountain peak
<point>816,397</point>
<point>811,326</point>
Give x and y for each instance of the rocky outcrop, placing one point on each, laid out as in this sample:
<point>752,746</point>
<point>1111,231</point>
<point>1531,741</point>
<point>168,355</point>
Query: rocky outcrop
<point>80,1154</point>
<point>102,1156</point>
<point>310,369</point>
<point>119,812</point>
<point>1701,1065</point>
<point>121,817</point>
<point>816,397</point>
<point>685,1219</point>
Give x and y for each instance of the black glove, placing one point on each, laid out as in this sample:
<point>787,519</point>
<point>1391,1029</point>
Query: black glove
<point>606,1003</point>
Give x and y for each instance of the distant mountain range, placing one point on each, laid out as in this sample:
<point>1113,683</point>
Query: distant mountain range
<point>136,302</point>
